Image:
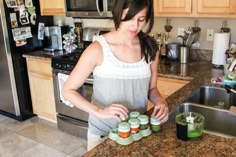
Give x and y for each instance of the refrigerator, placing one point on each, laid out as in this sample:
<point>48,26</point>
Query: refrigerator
<point>15,98</point>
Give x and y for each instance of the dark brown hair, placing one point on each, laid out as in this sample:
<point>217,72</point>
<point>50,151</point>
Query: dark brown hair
<point>147,43</point>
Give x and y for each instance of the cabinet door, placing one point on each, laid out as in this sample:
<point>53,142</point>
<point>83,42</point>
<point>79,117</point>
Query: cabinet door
<point>41,87</point>
<point>172,7</point>
<point>52,7</point>
<point>216,6</point>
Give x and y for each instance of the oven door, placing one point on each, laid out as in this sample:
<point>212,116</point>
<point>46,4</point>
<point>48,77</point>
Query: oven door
<point>64,107</point>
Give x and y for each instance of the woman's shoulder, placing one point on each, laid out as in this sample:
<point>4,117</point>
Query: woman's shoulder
<point>93,52</point>
<point>110,38</point>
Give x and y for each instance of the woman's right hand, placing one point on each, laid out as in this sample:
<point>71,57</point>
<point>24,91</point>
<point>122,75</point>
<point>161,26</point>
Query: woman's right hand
<point>117,111</point>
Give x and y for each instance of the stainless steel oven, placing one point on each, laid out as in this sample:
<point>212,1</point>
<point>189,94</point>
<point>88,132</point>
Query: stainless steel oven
<point>70,118</point>
<point>89,8</point>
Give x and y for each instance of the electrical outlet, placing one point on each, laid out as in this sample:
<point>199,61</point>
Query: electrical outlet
<point>210,35</point>
<point>181,31</point>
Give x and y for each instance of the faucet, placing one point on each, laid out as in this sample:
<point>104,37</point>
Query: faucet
<point>230,89</point>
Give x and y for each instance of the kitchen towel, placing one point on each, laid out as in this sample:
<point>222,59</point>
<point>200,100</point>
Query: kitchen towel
<point>220,45</point>
<point>62,79</point>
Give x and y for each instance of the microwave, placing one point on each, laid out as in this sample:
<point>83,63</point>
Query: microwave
<point>89,8</point>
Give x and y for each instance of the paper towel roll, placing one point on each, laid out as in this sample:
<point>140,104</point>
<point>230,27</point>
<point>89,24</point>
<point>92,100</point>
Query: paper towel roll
<point>220,45</point>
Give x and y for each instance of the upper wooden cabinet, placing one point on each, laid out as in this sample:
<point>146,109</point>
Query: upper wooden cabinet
<point>195,8</point>
<point>172,7</point>
<point>216,6</point>
<point>52,7</point>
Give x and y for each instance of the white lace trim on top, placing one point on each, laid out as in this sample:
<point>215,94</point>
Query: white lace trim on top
<point>114,68</point>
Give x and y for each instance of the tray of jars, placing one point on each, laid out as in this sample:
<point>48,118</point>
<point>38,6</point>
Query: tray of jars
<point>134,128</point>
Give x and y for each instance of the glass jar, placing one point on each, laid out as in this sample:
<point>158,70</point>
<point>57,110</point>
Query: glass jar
<point>143,121</point>
<point>134,125</point>
<point>155,124</point>
<point>134,114</point>
<point>124,129</point>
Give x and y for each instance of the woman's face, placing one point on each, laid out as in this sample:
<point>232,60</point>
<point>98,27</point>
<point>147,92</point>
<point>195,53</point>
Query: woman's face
<point>134,25</point>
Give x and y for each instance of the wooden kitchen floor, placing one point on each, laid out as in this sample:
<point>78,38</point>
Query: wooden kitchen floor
<point>37,138</point>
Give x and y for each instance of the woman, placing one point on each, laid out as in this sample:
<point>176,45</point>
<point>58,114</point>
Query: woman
<point>124,65</point>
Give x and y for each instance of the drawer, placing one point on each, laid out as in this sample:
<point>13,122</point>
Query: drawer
<point>39,66</point>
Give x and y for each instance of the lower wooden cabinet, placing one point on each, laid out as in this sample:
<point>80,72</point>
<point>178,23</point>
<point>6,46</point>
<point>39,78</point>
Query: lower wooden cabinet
<point>41,87</point>
<point>167,86</point>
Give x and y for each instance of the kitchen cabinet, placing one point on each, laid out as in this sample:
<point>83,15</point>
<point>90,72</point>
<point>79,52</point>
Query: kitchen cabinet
<point>168,86</point>
<point>216,7</point>
<point>172,7</point>
<point>195,8</point>
<point>41,87</point>
<point>52,7</point>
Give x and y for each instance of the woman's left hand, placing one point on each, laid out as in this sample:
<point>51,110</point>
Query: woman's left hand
<point>161,112</point>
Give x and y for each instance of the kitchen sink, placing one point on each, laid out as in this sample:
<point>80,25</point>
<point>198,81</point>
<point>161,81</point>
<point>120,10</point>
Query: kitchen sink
<point>217,121</point>
<point>214,97</point>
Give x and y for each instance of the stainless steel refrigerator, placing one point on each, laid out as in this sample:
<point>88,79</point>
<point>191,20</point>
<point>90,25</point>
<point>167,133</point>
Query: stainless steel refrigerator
<point>15,99</point>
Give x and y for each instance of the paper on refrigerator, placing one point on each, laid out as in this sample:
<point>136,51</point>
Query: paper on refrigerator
<point>21,33</point>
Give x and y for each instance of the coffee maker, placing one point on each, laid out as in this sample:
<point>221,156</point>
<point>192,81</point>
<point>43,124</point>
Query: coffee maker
<point>53,37</point>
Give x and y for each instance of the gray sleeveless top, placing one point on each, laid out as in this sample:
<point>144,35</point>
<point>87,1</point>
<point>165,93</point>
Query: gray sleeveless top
<point>118,82</point>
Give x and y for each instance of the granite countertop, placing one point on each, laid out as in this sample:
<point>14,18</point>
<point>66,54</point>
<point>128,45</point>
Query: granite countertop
<point>165,142</point>
<point>41,54</point>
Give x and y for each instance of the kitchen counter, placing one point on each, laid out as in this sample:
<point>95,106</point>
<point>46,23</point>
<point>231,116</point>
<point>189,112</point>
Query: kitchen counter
<point>165,142</point>
<point>41,54</point>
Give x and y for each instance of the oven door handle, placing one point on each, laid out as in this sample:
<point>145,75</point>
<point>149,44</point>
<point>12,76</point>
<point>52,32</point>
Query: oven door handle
<point>80,123</point>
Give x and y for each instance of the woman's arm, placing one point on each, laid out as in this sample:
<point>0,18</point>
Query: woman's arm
<point>91,57</point>
<point>160,110</point>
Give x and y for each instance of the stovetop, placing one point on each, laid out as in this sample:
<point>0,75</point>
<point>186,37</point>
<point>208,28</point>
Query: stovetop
<point>66,61</point>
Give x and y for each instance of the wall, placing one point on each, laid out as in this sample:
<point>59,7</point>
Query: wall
<point>204,23</point>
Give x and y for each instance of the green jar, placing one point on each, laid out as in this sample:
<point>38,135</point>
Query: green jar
<point>143,120</point>
<point>155,124</point>
<point>134,114</point>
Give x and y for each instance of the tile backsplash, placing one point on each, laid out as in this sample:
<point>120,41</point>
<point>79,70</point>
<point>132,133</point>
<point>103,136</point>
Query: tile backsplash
<point>200,55</point>
<point>205,46</point>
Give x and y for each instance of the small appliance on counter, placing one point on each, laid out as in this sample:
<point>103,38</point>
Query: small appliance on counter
<point>173,51</point>
<point>89,33</point>
<point>53,37</point>
<point>189,125</point>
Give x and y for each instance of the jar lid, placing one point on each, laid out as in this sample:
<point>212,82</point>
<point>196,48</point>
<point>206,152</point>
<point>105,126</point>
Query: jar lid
<point>134,122</point>
<point>124,126</point>
<point>143,119</point>
<point>134,114</point>
<point>155,121</point>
